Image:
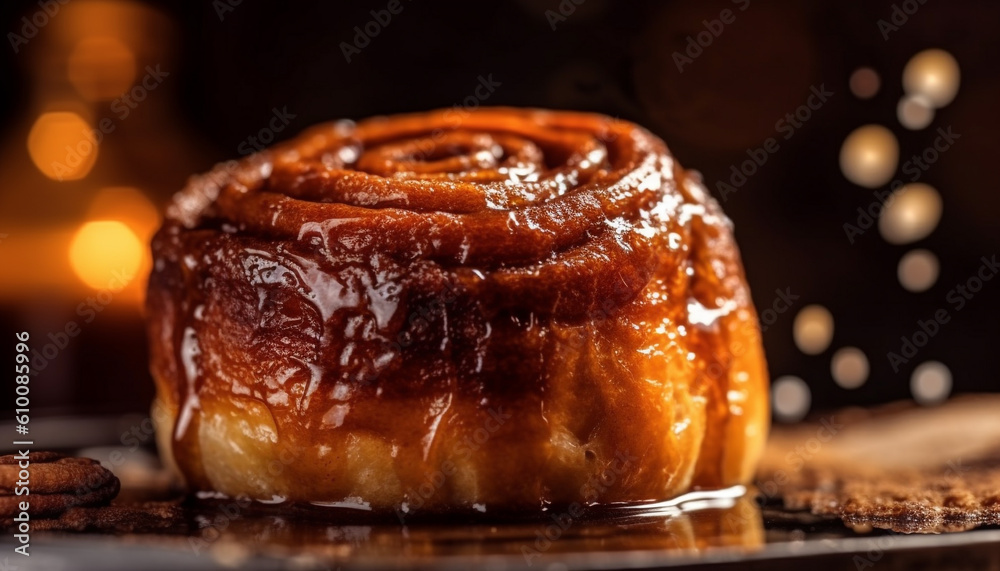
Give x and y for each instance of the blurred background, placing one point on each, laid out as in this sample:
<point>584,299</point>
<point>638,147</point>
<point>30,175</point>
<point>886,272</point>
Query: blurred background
<point>802,117</point>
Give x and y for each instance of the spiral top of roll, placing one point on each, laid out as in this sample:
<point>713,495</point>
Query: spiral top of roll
<point>568,200</point>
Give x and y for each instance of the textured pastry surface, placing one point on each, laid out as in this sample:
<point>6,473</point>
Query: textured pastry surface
<point>54,485</point>
<point>490,309</point>
<point>911,470</point>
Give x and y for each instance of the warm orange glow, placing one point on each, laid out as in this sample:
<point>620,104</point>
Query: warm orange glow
<point>106,254</point>
<point>128,205</point>
<point>62,145</point>
<point>24,247</point>
<point>101,68</point>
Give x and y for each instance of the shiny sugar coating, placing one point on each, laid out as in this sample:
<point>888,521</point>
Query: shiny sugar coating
<point>483,310</point>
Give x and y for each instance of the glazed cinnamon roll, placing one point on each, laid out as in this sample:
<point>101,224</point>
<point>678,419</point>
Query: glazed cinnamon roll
<point>494,309</point>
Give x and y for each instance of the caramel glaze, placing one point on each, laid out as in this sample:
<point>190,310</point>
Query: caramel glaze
<point>490,309</point>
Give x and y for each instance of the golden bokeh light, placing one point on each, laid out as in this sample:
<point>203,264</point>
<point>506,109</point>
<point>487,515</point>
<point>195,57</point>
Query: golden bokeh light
<point>914,112</point>
<point>930,383</point>
<point>790,398</point>
<point>869,155</point>
<point>129,205</point>
<point>101,68</point>
<point>849,367</point>
<point>106,254</point>
<point>62,145</point>
<point>910,214</point>
<point>813,329</point>
<point>918,270</point>
<point>934,74</point>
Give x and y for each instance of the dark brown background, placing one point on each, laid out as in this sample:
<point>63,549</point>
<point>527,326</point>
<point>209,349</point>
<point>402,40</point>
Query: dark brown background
<point>610,57</point>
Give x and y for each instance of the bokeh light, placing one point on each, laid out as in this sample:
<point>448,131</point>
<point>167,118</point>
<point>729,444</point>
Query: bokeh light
<point>934,74</point>
<point>865,83</point>
<point>930,383</point>
<point>62,145</point>
<point>126,204</point>
<point>918,270</point>
<point>101,68</point>
<point>914,112</point>
<point>102,252</point>
<point>910,214</point>
<point>849,367</point>
<point>813,329</point>
<point>869,155</point>
<point>790,398</point>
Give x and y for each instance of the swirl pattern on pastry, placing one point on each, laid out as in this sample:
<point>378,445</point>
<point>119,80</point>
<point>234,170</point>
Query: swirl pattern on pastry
<point>495,308</point>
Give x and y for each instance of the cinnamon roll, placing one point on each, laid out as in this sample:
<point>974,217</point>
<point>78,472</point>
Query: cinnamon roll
<point>492,309</point>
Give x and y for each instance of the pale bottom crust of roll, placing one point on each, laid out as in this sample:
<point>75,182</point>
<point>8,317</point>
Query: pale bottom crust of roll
<point>633,437</point>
